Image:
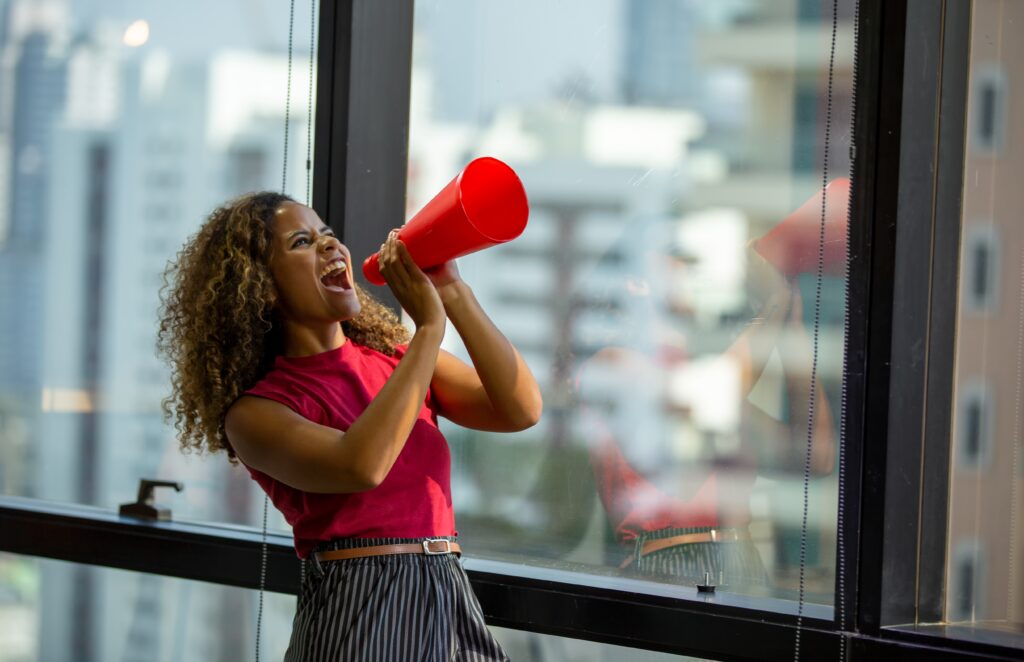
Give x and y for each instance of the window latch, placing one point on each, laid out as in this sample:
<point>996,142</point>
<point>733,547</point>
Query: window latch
<point>144,507</point>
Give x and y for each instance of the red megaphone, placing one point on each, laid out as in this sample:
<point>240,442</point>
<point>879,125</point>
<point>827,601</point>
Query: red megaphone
<point>792,245</point>
<point>483,206</point>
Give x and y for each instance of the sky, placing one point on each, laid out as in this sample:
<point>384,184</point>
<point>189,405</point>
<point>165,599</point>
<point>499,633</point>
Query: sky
<point>197,28</point>
<point>488,54</point>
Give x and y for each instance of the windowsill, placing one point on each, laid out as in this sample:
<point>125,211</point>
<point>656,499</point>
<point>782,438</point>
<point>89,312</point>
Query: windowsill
<point>1000,635</point>
<point>565,576</point>
<point>586,578</point>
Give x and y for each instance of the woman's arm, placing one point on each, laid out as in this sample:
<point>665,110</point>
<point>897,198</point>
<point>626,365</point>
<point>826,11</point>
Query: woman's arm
<point>277,441</point>
<point>498,392</point>
<point>753,348</point>
<point>795,351</point>
<point>786,439</point>
<point>272,438</point>
<point>779,327</point>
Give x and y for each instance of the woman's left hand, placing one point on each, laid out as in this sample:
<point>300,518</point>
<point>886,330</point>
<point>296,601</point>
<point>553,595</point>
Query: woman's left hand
<point>441,275</point>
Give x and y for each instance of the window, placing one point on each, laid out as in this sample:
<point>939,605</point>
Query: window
<point>974,426</point>
<point>986,499</point>
<point>750,165</point>
<point>534,647</point>
<point>989,108</point>
<point>117,149</point>
<point>130,616</point>
<point>981,268</point>
<point>632,287</point>
<point>967,583</point>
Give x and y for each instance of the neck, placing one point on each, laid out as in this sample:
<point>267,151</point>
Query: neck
<point>303,340</point>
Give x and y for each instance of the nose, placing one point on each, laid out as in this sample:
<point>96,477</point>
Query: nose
<point>326,242</point>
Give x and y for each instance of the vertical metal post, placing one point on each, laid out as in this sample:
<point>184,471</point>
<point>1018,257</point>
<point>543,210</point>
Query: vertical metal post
<point>362,121</point>
<point>877,126</point>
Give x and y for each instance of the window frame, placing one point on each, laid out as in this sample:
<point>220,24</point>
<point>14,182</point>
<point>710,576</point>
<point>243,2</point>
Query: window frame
<point>907,169</point>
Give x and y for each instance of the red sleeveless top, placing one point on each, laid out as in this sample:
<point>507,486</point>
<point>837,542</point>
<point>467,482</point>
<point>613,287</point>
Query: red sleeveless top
<point>333,388</point>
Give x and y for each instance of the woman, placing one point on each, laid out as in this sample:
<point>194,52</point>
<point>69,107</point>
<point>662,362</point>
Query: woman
<point>280,360</point>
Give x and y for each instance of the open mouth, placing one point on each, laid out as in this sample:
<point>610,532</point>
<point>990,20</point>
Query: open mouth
<point>334,276</point>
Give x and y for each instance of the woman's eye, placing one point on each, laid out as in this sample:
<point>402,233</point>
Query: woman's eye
<point>299,241</point>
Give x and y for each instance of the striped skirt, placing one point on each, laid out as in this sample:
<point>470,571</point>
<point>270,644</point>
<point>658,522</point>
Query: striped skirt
<point>727,564</point>
<point>396,608</point>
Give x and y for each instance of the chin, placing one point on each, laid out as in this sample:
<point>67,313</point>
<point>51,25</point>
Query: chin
<point>349,313</point>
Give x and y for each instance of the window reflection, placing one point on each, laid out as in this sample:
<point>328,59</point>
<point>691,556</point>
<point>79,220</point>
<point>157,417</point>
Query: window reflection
<point>661,144</point>
<point>985,585</point>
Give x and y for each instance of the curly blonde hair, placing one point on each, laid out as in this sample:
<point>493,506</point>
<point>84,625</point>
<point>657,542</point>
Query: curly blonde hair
<point>218,327</point>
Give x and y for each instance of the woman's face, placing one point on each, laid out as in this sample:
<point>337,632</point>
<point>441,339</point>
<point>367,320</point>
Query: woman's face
<point>311,268</point>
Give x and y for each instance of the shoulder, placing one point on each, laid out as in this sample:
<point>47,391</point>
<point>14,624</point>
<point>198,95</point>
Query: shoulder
<point>249,418</point>
<point>251,408</point>
<point>276,385</point>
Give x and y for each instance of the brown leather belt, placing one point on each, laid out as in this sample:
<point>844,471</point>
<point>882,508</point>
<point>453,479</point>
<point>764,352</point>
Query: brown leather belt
<point>430,547</point>
<point>714,535</point>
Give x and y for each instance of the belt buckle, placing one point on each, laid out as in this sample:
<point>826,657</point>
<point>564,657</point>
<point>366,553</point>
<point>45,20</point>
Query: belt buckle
<point>319,570</point>
<point>430,552</point>
<point>714,535</point>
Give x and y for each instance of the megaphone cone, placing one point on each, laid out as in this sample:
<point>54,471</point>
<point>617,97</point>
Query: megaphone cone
<point>792,245</point>
<point>483,206</point>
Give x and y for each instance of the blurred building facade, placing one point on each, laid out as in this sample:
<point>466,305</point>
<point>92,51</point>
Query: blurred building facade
<point>984,578</point>
<point>114,156</point>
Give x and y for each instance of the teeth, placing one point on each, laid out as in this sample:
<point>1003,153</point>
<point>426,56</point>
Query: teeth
<point>332,267</point>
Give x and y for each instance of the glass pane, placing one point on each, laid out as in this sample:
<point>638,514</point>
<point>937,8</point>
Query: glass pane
<point>135,616</point>
<point>533,647</point>
<point>666,292</point>
<point>984,578</point>
<point>54,611</point>
<point>122,126</point>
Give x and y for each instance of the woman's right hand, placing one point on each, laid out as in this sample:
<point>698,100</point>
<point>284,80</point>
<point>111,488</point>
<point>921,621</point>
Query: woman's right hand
<point>413,288</point>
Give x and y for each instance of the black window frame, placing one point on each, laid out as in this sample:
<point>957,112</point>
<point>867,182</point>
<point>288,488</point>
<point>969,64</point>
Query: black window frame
<point>909,125</point>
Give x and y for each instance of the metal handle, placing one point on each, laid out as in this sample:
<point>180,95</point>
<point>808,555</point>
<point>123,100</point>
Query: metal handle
<point>144,507</point>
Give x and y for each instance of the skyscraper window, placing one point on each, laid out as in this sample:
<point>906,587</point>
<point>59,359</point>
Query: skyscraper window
<point>981,269</point>
<point>974,439</point>
<point>989,98</point>
<point>967,585</point>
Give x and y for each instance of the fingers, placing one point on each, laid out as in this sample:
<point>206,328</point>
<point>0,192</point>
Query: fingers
<point>391,266</point>
<point>413,289</point>
<point>398,268</point>
<point>399,260</point>
<point>405,257</point>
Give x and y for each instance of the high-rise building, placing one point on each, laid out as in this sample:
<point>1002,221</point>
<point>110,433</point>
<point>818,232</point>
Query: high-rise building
<point>984,578</point>
<point>134,185</point>
<point>660,67</point>
<point>33,75</point>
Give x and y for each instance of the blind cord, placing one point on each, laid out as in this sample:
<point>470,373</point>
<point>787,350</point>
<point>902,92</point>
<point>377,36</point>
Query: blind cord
<point>843,407</point>
<point>812,396</point>
<point>284,184</point>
